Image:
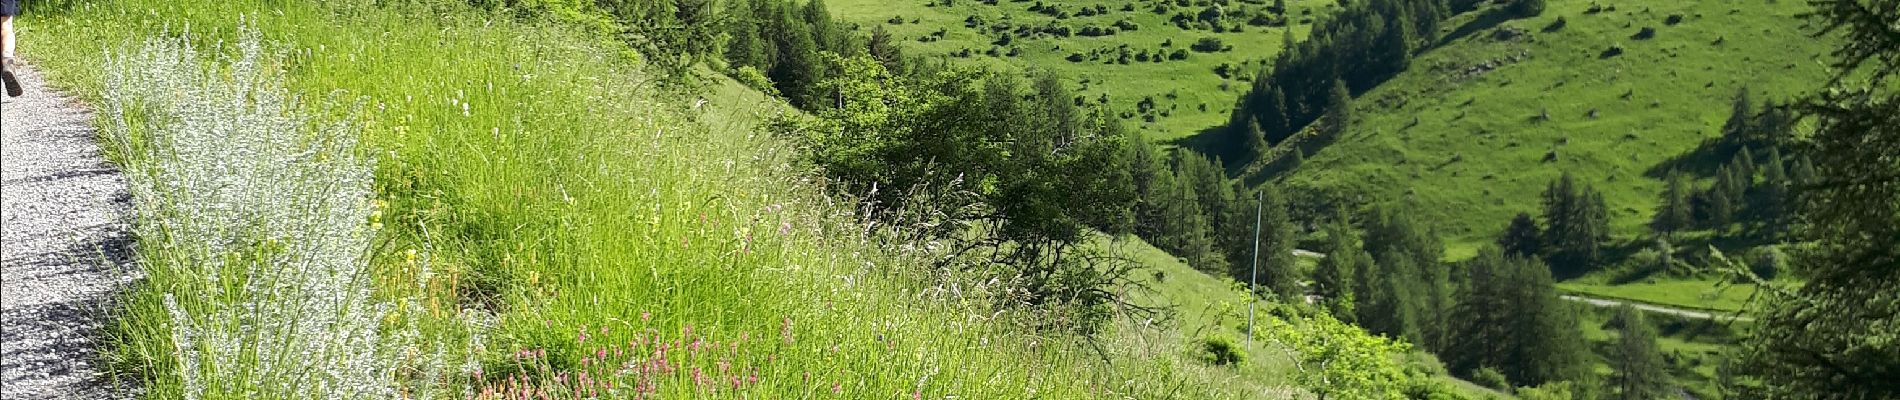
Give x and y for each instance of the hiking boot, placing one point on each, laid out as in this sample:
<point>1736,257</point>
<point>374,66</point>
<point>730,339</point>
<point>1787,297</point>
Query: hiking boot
<point>13,84</point>
<point>6,74</point>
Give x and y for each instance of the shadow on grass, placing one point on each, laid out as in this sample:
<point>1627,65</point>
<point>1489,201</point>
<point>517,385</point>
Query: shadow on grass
<point>34,8</point>
<point>1701,162</point>
<point>1213,142</point>
<point>1486,20</point>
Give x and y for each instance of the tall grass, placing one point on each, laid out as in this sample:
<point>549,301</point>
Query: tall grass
<point>252,224</point>
<point>540,221</point>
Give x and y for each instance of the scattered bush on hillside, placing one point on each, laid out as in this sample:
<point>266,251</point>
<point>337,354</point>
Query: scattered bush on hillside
<point>1491,378</point>
<point>1208,44</point>
<point>1556,25</point>
<point>755,79</point>
<point>1527,8</point>
<point>1341,360</point>
<point>1549,391</point>
<point>1644,34</point>
<point>1613,51</point>
<point>1221,349</point>
<point>1767,262</point>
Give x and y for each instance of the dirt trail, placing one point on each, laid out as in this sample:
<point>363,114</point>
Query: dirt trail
<point>1682,312</point>
<point>64,242</point>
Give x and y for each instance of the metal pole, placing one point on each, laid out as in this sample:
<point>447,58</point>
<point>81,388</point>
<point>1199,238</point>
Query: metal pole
<point>1253,286</point>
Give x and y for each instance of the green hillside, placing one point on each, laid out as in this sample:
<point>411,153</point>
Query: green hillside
<point>1189,96</point>
<point>1462,135</point>
<point>539,210</point>
<point>989,199</point>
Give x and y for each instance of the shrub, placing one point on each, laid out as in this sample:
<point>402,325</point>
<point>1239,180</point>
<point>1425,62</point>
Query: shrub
<point>1527,8</point>
<point>755,79</point>
<point>1644,34</point>
<point>1613,51</point>
<point>1491,378</point>
<point>1549,391</point>
<point>1556,25</point>
<point>1220,349</point>
<point>1423,363</point>
<point>1767,262</point>
<point>255,220</point>
<point>1208,44</point>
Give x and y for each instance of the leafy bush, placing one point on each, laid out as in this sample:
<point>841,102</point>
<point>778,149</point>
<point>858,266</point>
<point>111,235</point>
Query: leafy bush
<point>1491,378</point>
<point>1767,262</point>
<point>753,78</point>
<point>1220,349</point>
<point>1549,391</point>
<point>1341,360</point>
<point>1208,44</point>
<point>1527,8</point>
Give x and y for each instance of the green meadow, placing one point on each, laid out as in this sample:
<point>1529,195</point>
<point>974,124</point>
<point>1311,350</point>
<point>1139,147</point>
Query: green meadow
<point>1190,93</point>
<point>1462,135</point>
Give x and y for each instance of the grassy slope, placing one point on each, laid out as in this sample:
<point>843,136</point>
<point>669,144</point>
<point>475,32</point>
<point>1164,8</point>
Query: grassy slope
<point>1203,305</point>
<point>1192,80</point>
<point>569,197</point>
<point>1198,306</point>
<point>1476,155</point>
<point>1694,352</point>
<point>1691,294</point>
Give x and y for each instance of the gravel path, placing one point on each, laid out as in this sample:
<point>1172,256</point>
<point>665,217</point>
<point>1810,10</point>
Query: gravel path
<point>63,216</point>
<point>1681,312</point>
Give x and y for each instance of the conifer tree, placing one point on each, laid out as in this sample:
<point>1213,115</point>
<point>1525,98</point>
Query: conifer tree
<point>1522,238</point>
<point>1740,122</point>
<point>744,46</point>
<point>824,30</point>
<point>1184,224</point>
<point>1803,173</point>
<point>1389,306</point>
<point>1150,174</point>
<point>1833,337</point>
<point>1415,291</point>
<point>1509,318</point>
<point>1577,222</point>
<point>1676,213</point>
<point>1333,280</point>
<point>1339,107</point>
<point>1774,197</point>
<point>797,71</point>
<point>1278,270</point>
<point>1253,140</point>
<point>1721,207</point>
<point>1745,170</point>
<point>1640,373</point>
<point>883,47</point>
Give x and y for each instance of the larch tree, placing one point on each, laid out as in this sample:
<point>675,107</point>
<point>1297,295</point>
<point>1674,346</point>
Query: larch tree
<point>1835,336</point>
<point>1676,213</point>
<point>1640,373</point>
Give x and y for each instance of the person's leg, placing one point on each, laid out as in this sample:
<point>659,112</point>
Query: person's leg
<point>6,36</point>
<point>12,82</point>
